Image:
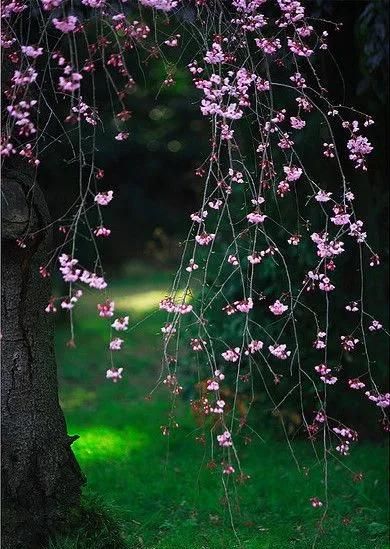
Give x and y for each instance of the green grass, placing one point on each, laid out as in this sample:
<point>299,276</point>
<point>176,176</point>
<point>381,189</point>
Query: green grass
<point>156,493</point>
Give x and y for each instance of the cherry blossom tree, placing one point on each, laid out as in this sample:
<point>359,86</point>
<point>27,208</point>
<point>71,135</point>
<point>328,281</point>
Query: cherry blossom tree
<point>256,74</point>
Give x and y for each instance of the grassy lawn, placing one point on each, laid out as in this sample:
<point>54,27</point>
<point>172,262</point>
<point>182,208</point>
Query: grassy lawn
<point>159,490</point>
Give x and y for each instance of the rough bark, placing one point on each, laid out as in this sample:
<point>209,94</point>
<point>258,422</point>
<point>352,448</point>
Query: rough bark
<point>41,479</point>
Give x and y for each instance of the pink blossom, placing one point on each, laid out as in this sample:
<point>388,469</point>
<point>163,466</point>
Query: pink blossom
<point>85,276</point>
<point>232,259</point>
<point>68,268</point>
<point>304,31</point>
<point>225,440</point>
<point>254,346</point>
<point>244,306</point>
<point>104,198</point>
<point>268,45</point>
<point>329,150</point>
<point>97,282</point>
<point>346,433</point>
<point>375,325</point>
<point>197,344</point>
<point>106,309</point>
<point>315,502</point>
<point>340,219</point>
<point>304,103</point>
<point>355,229</point>
<point>49,5</point>
<point>121,324</point>
<point>262,85</point>
<point>297,123</point>
<point>216,204</point>
<point>237,177</point>
<point>122,136</point>
<point>348,343</point>
<point>94,3</point>
<point>374,260</point>
<point>31,51</point>
<point>325,374</point>
<point>258,201</point>
<point>51,308</point>
<point>116,344</point>
<point>356,383</point>
<point>285,142</point>
<point>114,373</point>
<point>24,78</point>
<point>68,24</point>
<point>327,248</point>
<point>212,385</point>
<point>323,196</point>
<point>352,307</point>
<point>102,231</point>
<point>204,239</point>
<point>247,6</point>
<point>171,382</point>
<point>294,239</point>
<point>278,308</point>
<point>228,470</point>
<point>232,355</point>
<point>279,351</point>
<point>381,400</point>
<point>167,304</point>
<point>163,5</point>
<point>320,417</point>
<point>325,284</point>
<point>183,309</point>
<point>70,83</point>
<point>168,328</point>
<point>229,309</point>
<point>226,132</point>
<point>359,148</point>
<point>219,407</point>
<point>343,448</point>
<point>256,257</point>
<point>192,266</point>
<point>199,216</point>
<point>283,188</point>
<point>300,82</point>
<point>67,304</point>
<point>298,48</point>
<point>173,41</point>
<point>215,55</point>
<point>6,148</point>
<point>319,343</point>
<point>256,217</point>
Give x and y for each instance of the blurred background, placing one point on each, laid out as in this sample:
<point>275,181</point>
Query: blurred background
<point>156,188</point>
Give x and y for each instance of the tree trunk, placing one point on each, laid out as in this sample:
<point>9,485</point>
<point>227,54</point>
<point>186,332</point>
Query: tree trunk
<point>41,479</point>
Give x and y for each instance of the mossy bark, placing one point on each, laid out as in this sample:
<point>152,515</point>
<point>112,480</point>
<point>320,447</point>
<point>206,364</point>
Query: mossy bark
<point>41,479</point>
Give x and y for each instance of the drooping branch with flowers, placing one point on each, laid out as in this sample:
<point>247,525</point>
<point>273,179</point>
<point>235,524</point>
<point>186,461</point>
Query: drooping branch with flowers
<point>245,299</point>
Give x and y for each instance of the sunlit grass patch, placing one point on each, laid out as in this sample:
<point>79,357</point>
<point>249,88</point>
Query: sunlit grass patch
<point>140,302</point>
<point>105,443</point>
<point>146,301</point>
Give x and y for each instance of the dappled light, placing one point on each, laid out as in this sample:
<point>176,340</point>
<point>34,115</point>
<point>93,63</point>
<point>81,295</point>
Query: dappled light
<point>140,302</point>
<point>106,443</point>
